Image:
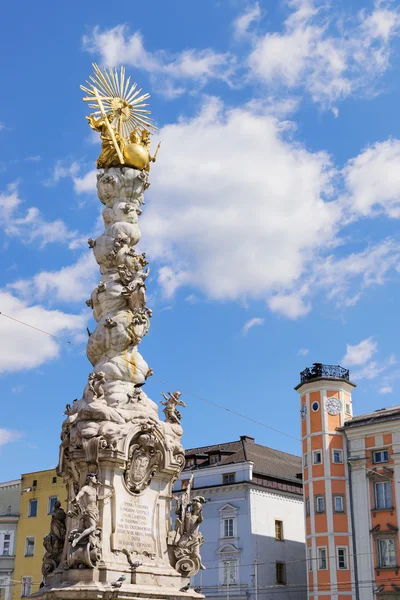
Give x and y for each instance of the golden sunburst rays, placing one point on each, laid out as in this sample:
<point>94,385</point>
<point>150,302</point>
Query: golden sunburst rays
<point>111,92</point>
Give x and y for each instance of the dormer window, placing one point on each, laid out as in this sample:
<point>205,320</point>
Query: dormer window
<point>190,462</point>
<point>214,459</point>
<point>228,478</point>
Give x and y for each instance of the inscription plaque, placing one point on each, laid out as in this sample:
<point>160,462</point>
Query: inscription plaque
<point>134,529</point>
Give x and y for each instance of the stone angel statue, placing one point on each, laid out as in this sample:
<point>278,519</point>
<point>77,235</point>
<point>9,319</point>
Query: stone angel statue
<point>170,402</point>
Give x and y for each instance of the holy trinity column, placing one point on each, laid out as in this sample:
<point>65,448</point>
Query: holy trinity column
<point>119,460</point>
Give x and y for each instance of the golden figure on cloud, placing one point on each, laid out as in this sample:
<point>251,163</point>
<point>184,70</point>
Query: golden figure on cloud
<point>121,119</point>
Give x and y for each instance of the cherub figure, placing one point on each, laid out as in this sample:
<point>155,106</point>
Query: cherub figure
<point>95,383</point>
<point>172,415</point>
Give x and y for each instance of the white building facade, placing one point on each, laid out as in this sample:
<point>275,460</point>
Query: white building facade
<point>10,493</point>
<point>253,528</point>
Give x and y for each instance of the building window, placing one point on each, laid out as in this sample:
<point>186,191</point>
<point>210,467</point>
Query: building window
<point>6,550</point>
<point>307,507</point>
<point>338,457</point>
<point>319,504</point>
<point>54,480</point>
<point>305,461</point>
<point>184,484</point>
<point>338,504</point>
<point>279,531</point>
<point>29,546</point>
<point>229,478</point>
<point>383,494</point>
<point>322,561</point>
<point>317,457</point>
<point>34,484</point>
<point>309,556</point>
<point>381,456</point>
<point>5,544</point>
<point>26,587</point>
<point>315,406</point>
<point>32,510</point>
<point>190,462</point>
<point>214,458</point>
<point>280,569</point>
<point>348,408</point>
<point>342,558</point>
<point>52,501</point>
<point>228,528</point>
<point>230,570</point>
<point>387,553</point>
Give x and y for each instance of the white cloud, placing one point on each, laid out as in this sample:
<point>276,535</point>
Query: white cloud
<point>372,369</point>
<point>252,323</point>
<point>372,180</point>
<point>290,305</point>
<point>371,266</point>
<point>359,353</point>
<point>82,183</point>
<point>73,283</point>
<point>303,351</point>
<point>9,435</point>
<point>23,348</point>
<point>242,24</point>
<point>329,65</point>
<point>386,389</point>
<point>256,214</point>
<point>61,171</point>
<point>170,280</point>
<point>30,226</point>
<point>117,45</point>
<point>86,183</point>
<point>9,201</point>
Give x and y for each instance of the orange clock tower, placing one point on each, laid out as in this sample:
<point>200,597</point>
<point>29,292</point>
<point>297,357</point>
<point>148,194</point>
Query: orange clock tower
<point>325,405</point>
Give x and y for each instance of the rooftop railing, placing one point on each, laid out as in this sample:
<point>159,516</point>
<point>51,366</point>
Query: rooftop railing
<point>320,371</point>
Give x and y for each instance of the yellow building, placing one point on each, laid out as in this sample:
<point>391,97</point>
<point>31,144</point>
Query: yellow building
<point>39,491</point>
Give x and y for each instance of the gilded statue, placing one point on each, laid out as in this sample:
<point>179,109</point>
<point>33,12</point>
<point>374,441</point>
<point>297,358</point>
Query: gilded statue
<point>137,152</point>
<point>121,119</point>
<point>108,155</point>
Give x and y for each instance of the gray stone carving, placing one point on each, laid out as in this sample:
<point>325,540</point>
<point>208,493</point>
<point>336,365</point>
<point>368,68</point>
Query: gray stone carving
<point>187,539</point>
<point>144,460</point>
<point>84,548</point>
<point>54,541</point>
<point>172,414</point>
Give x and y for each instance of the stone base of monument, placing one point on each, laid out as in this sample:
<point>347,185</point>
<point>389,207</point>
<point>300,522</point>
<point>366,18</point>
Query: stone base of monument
<point>96,590</point>
<point>91,584</point>
<point>153,576</point>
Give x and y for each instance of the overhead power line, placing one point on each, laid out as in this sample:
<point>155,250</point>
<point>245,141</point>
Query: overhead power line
<point>220,406</point>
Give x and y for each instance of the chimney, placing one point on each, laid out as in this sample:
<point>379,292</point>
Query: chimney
<point>247,438</point>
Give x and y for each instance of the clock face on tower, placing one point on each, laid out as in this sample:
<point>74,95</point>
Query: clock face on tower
<point>333,406</point>
<point>303,411</point>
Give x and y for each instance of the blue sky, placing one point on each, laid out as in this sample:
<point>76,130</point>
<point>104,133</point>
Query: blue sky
<point>271,222</point>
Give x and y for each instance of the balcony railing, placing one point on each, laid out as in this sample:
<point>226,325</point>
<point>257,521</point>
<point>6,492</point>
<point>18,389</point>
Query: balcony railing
<point>320,371</point>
